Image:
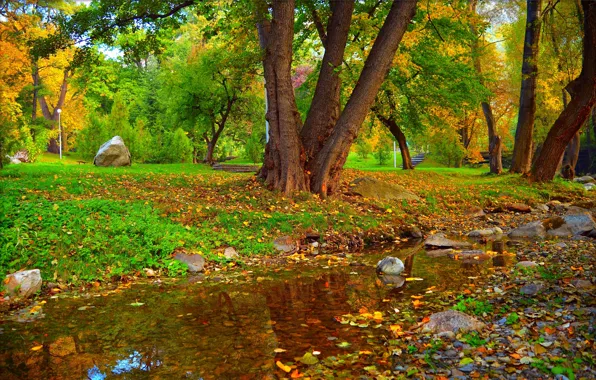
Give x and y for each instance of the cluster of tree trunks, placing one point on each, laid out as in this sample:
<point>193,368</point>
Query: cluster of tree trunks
<point>311,157</point>
<point>399,135</point>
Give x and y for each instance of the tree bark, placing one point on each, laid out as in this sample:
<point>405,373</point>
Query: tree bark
<point>583,97</point>
<point>283,168</point>
<point>522,150</point>
<point>495,145</point>
<point>325,108</point>
<point>329,161</point>
<point>401,141</point>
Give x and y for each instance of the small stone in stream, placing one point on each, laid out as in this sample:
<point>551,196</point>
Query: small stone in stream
<point>589,186</point>
<point>314,244</point>
<point>531,289</point>
<point>517,207</point>
<point>440,241</point>
<point>581,284</point>
<point>526,264</point>
<point>230,253</point>
<point>486,232</point>
<point>452,320</point>
<point>446,334</point>
<point>474,212</point>
<point>439,252</point>
<point>575,223</point>
<point>390,266</point>
<point>195,263</point>
<point>23,283</point>
<point>561,245</point>
<point>457,373</point>
<point>584,179</point>
<point>149,272</point>
<point>284,244</point>
<point>542,207</point>
<point>529,230</point>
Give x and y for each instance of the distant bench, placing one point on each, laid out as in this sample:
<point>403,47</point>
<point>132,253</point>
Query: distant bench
<point>236,168</point>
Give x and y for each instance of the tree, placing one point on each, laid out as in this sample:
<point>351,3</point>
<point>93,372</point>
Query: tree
<point>583,97</point>
<point>495,143</point>
<point>522,150</point>
<point>314,164</point>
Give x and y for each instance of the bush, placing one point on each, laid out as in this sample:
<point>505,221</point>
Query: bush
<point>363,148</point>
<point>177,147</point>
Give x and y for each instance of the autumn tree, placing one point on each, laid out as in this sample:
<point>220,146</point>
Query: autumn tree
<point>583,97</point>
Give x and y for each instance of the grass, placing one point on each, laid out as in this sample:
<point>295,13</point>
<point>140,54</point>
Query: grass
<point>80,223</point>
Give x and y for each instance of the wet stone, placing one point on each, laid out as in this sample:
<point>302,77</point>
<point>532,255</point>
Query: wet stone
<point>390,266</point>
<point>531,289</point>
<point>440,241</point>
<point>284,244</point>
<point>195,263</point>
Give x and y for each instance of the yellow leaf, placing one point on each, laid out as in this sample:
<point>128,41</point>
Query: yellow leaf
<point>37,348</point>
<point>283,367</point>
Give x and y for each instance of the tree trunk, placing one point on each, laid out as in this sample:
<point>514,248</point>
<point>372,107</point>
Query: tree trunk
<point>329,161</point>
<point>283,168</point>
<point>401,140</point>
<point>522,150</point>
<point>52,115</point>
<point>324,109</point>
<point>572,152</point>
<point>583,98</point>
<point>209,154</point>
<point>495,145</point>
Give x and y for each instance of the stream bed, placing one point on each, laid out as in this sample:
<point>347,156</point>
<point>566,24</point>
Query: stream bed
<point>236,325</point>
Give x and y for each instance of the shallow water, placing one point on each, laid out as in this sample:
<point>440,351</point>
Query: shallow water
<point>214,330</point>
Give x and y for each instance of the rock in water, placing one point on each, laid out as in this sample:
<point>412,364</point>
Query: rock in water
<point>373,188</point>
<point>391,266</point>
<point>486,232</point>
<point>440,241</point>
<point>452,320</point>
<point>392,281</point>
<point>112,153</point>
<point>530,230</point>
<point>23,283</point>
<point>195,263</point>
<point>284,244</point>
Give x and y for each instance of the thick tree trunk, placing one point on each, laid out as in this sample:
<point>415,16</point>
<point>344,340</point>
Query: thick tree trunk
<point>583,98</point>
<point>522,150</point>
<point>329,161</point>
<point>325,108</point>
<point>283,168</point>
<point>572,152</point>
<point>52,115</point>
<point>401,140</point>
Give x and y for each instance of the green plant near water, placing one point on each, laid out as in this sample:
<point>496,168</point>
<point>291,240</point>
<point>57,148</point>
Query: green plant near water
<point>472,305</point>
<point>512,319</point>
<point>473,339</point>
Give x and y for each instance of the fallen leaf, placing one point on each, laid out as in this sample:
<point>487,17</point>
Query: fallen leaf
<point>283,367</point>
<point>37,348</point>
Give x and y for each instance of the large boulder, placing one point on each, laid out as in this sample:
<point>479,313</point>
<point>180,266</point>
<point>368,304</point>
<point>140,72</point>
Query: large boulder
<point>375,189</point>
<point>112,153</point>
<point>23,283</point>
<point>440,241</point>
<point>452,320</point>
<point>390,266</point>
<point>575,224</point>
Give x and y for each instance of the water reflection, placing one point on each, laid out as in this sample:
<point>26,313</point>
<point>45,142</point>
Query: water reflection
<point>220,330</point>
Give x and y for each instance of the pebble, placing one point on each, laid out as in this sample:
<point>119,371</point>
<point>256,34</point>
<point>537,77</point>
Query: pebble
<point>467,368</point>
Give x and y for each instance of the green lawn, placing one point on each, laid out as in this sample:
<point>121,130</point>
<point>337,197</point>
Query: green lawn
<point>81,223</point>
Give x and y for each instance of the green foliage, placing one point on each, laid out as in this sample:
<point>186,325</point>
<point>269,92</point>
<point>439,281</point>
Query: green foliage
<point>473,339</point>
<point>255,148</point>
<point>512,319</point>
<point>363,148</point>
<point>472,305</point>
<point>383,149</point>
<point>177,147</point>
<point>93,135</point>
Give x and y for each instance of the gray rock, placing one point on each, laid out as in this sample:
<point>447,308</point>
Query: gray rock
<point>584,179</point>
<point>485,232</point>
<point>230,253</point>
<point>375,189</point>
<point>390,266</point>
<point>452,320</point>
<point>589,186</point>
<point>195,263</point>
<point>284,244</point>
<point>113,153</point>
<point>439,252</point>
<point>412,232</point>
<point>529,230</point>
<point>541,207</point>
<point>576,223</point>
<point>24,283</point>
<point>526,264</point>
<point>581,284</point>
<point>474,212</point>
<point>440,241</point>
<point>531,289</point>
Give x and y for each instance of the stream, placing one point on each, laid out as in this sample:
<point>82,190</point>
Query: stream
<point>236,325</point>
